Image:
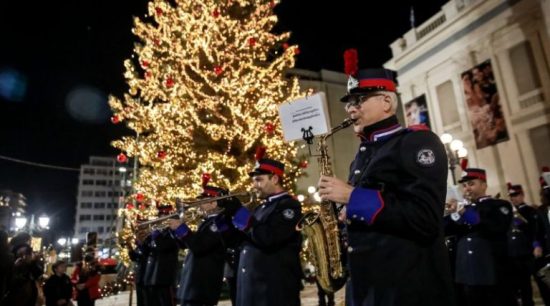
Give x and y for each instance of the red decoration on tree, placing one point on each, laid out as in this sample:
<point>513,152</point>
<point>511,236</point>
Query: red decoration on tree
<point>205,179</point>
<point>141,207</point>
<point>285,46</point>
<point>122,158</point>
<point>303,164</point>
<point>218,70</point>
<point>161,154</point>
<point>272,4</point>
<point>140,197</point>
<point>296,51</point>
<point>144,64</point>
<point>129,206</point>
<point>252,41</point>
<point>216,13</point>
<point>169,82</point>
<point>115,119</point>
<point>350,61</point>
<point>159,11</point>
<point>147,74</point>
<point>269,128</point>
<point>156,41</point>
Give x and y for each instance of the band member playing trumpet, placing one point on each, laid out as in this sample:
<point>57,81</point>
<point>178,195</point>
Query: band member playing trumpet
<point>481,259</point>
<point>394,199</point>
<point>543,235</point>
<point>269,271</point>
<point>202,275</point>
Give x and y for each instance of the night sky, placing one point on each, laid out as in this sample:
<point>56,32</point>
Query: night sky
<point>50,53</point>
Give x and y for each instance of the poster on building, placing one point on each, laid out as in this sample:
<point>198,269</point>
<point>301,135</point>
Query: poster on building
<point>483,105</point>
<point>416,112</point>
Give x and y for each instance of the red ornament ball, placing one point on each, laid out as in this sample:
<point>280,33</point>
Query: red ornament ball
<point>297,51</point>
<point>303,164</point>
<point>269,128</point>
<point>129,206</point>
<point>159,11</point>
<point>285,46</point>
<point>161,154</point>
<point>216,13</point>
<point>140,197</point>
<point>252,41</point>
<point>218,70</point>
<point>115,119</point>
<point>170,82</point>
<point>144,64</point>
<point>148,74</point>
<point>122,158</point>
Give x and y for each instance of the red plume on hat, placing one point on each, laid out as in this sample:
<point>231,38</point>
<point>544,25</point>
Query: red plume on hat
<point>205,179</point>
<point>260,152</point>
<point>464,164</point>
<point>350,61</point>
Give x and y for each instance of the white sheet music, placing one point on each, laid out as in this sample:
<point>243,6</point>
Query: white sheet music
<point>303,114</point>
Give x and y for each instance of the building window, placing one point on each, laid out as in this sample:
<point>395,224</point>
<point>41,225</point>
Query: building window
<point>88,171</point>
<point>87,182</point>
<point>540,140</point>
<point>100,193</point>
<point>85,205</point>
<point>102,172</point>
<point>85,218</point>
<point>87,193</point>
<point>99,205</point>
<point>100,230</point>
<point>83,230</point>
<point>524,67</point>
<point>99,217</point>
<point>447,103</point>
<point>101,182</point>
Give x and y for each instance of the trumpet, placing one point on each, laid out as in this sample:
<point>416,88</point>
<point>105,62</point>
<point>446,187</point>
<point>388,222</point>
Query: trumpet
<point>459,206</point>
<point>252,197</point>
<point>191,204</point>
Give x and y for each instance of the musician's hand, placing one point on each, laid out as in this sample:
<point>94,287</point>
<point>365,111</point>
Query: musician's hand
<point>451,205</point>
<point>174,223</point>
<point>537,252</point>
<point>333,189</point>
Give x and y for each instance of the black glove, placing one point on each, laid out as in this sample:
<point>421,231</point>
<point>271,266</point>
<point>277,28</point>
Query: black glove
<point>230,206</point>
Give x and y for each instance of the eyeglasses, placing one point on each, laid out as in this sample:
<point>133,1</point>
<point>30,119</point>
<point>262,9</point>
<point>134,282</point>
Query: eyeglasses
<point>356,101</point>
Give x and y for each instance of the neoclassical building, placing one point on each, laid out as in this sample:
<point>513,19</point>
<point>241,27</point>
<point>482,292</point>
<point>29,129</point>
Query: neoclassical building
<point>439,59</point>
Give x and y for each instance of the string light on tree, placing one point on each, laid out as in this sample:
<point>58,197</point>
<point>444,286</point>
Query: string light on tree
<point>204,83</point>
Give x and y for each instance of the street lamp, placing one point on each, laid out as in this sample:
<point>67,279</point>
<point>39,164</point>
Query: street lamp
<point>455,151</point>
<point>20,222</point>
<point>62,241</point>
<point>43,221</point>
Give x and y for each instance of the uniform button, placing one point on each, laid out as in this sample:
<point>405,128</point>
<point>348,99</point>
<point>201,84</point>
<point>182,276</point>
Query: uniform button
<point>244,270</point>
<point>263,206</point>
<point>350,249</point>
<point>470,252</point>
<point>244,251</point>
<point>469,239</point>
<point>513,237</point>
<point>362,149</point>
<point>362,219</point>
<point>354,216</point>
<point>357,172</point>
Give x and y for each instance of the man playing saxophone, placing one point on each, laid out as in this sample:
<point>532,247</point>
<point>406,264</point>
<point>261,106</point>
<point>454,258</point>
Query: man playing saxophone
<point>394,198</point>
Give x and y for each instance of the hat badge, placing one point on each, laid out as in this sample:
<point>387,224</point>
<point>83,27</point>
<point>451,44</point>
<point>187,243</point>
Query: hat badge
<point>352,83</point>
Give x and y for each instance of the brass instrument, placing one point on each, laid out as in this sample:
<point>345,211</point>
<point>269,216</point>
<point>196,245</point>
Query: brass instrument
<point>191,204</point>
<point>459,206</point>
<point>322,228</point>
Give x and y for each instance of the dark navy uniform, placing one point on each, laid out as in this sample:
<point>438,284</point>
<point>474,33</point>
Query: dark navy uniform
<point>396,250</point>
<point>202,275</point>
<point>521,242</point>
<point>481,261</point>
<point>160,273</point>
<point>543,236</point>
<point>139,256</point>
<point>269,271</point>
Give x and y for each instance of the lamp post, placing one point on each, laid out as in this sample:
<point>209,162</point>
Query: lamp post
<point>455,151</point>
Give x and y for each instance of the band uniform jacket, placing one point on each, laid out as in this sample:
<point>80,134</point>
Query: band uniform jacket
<point>482,245</point>
<point>139,256</point>
<point>202,275</point>
<point>269,271</point>
<point>522,235</point>
<point>396,252</point>
<point>162,260</point>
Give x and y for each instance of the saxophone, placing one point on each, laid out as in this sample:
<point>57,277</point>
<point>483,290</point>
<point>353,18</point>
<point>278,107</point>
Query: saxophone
<point>321,229</point>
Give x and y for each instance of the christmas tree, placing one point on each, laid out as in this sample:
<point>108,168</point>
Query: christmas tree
<point>204,86</point>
